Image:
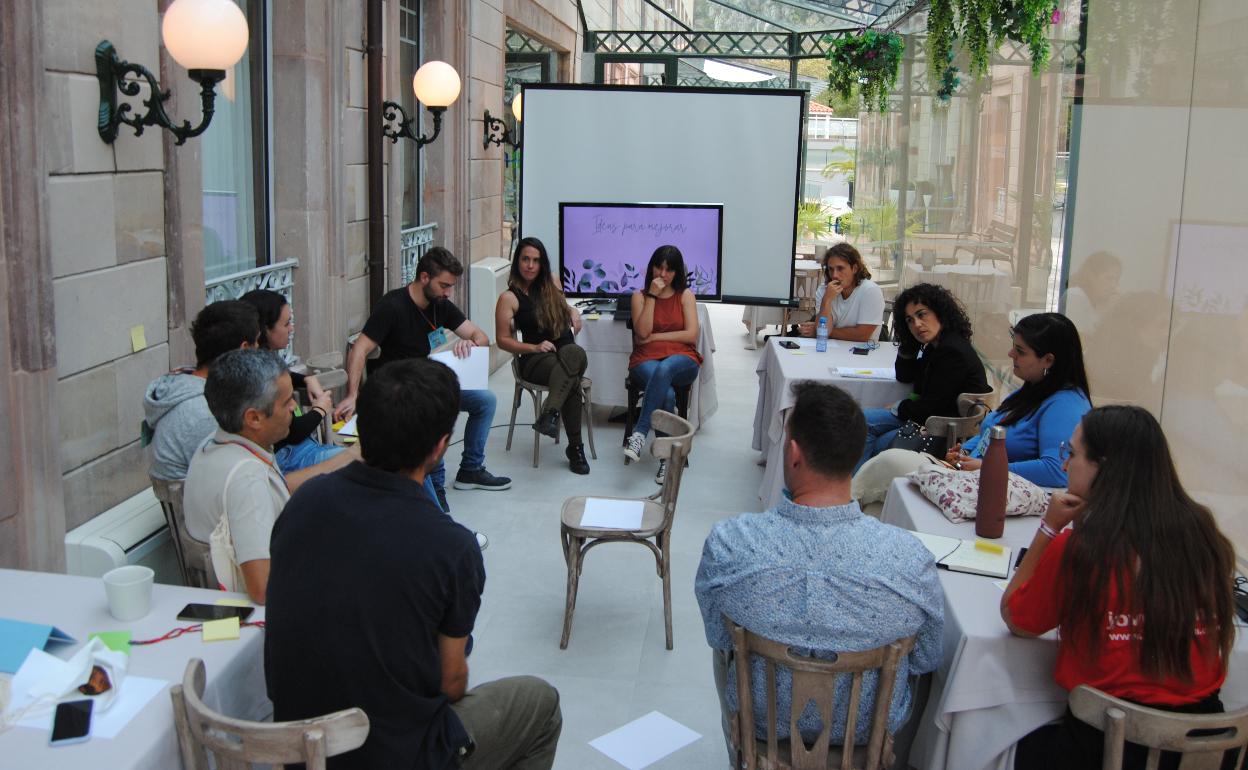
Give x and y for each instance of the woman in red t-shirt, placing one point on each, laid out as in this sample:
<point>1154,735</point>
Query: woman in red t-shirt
<point>665,330</point>
<point>1140,589</point>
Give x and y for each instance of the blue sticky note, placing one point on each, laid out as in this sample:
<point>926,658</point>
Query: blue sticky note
<point>18,638</point>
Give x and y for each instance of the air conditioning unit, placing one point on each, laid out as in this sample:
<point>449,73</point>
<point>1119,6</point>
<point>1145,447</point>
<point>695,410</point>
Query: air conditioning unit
<point>488,280</point>
<point>133,532</point>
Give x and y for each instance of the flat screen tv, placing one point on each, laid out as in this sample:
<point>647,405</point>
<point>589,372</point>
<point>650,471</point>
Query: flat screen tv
<point>604,247</point>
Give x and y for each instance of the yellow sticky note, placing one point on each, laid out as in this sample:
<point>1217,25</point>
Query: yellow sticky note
<point>138,340</point>
<point>221,630</point>
<point>591,316</point>
<point>989,547</point>
<point>232,603</point>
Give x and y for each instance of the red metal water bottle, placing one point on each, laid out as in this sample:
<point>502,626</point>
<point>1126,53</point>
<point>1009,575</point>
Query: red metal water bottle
<point>993,475</point>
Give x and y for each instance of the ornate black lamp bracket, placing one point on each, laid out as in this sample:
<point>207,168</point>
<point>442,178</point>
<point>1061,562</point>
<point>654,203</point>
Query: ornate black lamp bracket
<point>112,72</point>
<point>496,132</point>
<point>393,111</point>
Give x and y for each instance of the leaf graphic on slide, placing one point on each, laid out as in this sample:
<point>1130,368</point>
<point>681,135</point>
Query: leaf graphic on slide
<point>586,283</point>
<point>588,264</point>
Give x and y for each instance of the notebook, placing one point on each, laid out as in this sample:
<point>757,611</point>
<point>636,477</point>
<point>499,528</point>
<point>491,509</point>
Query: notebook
<point>974,556</point>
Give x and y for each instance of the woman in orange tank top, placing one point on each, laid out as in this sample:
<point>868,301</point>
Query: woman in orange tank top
<point>665,329</point>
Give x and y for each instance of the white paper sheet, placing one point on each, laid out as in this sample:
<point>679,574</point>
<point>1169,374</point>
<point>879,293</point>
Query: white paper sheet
<point>644,741</point>
<point>349,429</point>
<point>866,372</point>
<point>473,372</point>
<point>132,697</point>
<point>612,514</point>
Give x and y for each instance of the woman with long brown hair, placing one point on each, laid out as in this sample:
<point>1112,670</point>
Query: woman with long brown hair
<point>535,306</point>
<point>1140,589</point>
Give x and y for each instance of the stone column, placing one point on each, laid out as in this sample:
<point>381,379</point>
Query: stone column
<point>32,509</point>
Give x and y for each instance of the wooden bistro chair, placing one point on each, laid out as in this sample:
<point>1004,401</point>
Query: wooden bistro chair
<point>656,522</point>
<point>194,558</point>
<point>237,743</point>
<point>972,408</point>
<point>1200,738</point>
<point>813,679</point>
<point>535,391</point>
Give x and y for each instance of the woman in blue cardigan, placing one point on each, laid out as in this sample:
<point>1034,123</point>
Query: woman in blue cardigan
<point>1039,416</point>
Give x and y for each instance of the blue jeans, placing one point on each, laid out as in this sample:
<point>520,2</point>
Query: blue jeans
<point>658,378</point>
<point>430,491</point>
<point>882,428</point>
<point>305,454</point>
<point>479,404</point>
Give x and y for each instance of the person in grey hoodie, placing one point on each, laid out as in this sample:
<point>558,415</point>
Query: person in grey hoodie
<point>176,416</point>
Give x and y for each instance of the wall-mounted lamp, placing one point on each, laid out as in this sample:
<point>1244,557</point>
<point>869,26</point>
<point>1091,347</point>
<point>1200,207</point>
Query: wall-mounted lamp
<point>437,85</point>
<point>496,131</point>
<point>207,37</point>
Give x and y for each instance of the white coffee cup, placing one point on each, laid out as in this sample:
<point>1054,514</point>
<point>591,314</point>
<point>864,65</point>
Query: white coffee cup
<point>129,591</point>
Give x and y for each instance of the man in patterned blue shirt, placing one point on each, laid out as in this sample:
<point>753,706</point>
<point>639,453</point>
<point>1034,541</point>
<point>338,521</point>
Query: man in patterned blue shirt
<point>816,573</point>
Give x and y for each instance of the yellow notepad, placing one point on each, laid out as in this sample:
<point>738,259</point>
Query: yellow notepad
<point>221,630</point>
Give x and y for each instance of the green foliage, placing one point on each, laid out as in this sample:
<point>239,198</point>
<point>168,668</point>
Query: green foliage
<point>812,220</point>
<point>981,26</point>
<point>878,223</point>
<point>843,164</point>
<point>870,61</point>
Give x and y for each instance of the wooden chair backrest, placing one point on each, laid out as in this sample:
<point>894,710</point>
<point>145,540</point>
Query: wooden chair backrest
<point>814,679</point>
<point>194,557</point>
<point>238,743</point>
<point>675,448</point>
<point>1124,721</point>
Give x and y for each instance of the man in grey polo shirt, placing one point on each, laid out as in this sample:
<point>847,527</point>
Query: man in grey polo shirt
<point>234,490</point>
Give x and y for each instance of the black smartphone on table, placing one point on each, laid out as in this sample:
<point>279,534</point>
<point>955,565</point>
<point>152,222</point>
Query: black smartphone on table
<point>72,723</point>
<point>789,344</point>
<point>200,612</point>
<point>860,351</point>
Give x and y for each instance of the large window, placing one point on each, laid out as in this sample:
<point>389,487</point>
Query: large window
<point>235,153</point>
<point>406,153</point>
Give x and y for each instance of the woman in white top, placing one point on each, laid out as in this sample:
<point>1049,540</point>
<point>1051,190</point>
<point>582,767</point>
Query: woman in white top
<point>855,306</point>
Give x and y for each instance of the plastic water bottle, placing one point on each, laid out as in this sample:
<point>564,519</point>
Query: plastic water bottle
<point>821,335</point>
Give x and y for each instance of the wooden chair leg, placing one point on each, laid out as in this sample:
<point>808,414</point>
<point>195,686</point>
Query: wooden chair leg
<point>630,412</point>
<point>515,407</point>
<point>667,591</point>
<point>574,575</point>
<point>589,419</point>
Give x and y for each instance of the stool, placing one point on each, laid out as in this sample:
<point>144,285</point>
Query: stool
<point>635,392</point>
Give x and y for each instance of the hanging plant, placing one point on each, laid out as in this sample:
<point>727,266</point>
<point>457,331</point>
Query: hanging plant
<point>948,84</point>
<point>870,61</point>
<point>982,25</point>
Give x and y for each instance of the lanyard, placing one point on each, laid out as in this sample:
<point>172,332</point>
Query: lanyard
<point>259,457</point>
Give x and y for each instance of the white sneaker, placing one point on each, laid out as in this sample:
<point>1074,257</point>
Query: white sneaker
<point>632,449</point>
<point>661,476</point>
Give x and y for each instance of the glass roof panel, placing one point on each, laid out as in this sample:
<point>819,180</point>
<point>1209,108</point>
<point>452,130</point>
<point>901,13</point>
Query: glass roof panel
<point>743,15</point>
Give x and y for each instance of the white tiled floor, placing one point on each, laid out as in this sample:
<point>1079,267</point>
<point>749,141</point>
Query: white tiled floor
<point>616,667</point>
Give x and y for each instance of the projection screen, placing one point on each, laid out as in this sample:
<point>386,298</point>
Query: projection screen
<point>739,147</point>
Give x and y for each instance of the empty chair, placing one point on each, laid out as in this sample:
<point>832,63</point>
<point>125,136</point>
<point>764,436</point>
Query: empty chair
<point>237,743</point>
<point>194,559</point>
<point>814,679</point>
<point>535,391</point>
<point>656,522</point>
<point>1200,738</point>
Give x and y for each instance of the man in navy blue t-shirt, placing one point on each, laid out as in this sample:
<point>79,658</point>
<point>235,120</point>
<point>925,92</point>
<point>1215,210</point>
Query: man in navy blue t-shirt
<point>400,583</point>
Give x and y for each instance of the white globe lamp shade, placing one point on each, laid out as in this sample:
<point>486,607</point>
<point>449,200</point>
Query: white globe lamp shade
<point>205,34</point>
<point>517,106</point>
<point>436,84</point>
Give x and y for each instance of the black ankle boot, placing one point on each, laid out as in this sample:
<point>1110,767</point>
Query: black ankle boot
<point>576,459</point>
<point>548,424</point>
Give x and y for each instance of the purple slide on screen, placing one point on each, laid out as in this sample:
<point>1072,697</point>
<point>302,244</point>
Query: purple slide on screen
<point>604,248</point>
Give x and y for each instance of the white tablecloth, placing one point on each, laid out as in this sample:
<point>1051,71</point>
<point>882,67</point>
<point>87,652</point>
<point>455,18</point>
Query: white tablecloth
<point>992,688</point>
<point>779,368</point>
<point>983,288</point>
<point>77,606</point>
<point>608,345</point>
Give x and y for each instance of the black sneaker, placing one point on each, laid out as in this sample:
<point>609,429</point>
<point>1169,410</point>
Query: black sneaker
<point>441,493</point>
<point>481,479</point>
<point>576,459</point>
<point>548,424</point>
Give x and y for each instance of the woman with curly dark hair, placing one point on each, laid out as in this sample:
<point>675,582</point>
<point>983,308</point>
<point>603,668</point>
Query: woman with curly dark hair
<point>934,353</point>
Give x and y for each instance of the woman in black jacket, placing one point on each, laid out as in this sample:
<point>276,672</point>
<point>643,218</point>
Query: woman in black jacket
<point>934,353</point>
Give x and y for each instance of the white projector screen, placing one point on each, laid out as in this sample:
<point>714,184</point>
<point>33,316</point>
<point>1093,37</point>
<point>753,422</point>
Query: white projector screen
<point>739,147</point>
